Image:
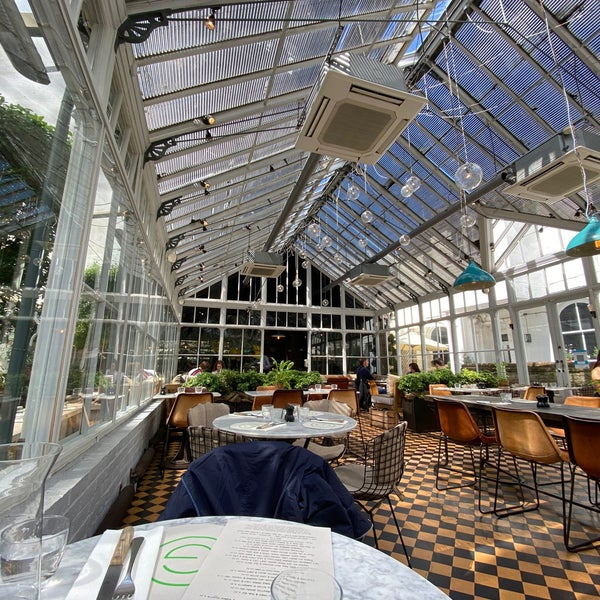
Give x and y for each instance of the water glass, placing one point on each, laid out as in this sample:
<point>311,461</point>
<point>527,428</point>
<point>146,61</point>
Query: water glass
<point>318,387</point>
<point>305,584</point>
<point>303,413</point>
<point>267,411</point>
<point>505,396</point>
<point>181,390</point>
<point>20,548</point>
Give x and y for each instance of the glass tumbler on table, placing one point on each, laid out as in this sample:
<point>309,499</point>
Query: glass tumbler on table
<point>24,468</point>
<point>20,547</point>
<point>305,584</point>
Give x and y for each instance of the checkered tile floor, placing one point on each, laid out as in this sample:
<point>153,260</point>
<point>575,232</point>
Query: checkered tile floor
<point>464,553</point>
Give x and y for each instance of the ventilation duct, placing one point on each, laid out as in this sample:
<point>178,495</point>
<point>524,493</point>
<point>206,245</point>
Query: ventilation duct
<point>369,274</point>
<point>552,171</point>
<point>359,109</point>
<point>262,264</point>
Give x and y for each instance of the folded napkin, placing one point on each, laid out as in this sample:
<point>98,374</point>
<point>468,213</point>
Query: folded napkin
<point>90,579</point>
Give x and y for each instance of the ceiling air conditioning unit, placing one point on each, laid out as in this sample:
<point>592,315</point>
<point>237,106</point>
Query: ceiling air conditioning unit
<point>359,109</point>
<point>262,264</point>
<point>369,274</point>
<point>553,171</point>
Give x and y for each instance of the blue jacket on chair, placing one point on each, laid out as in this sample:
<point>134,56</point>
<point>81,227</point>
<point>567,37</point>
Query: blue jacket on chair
<point>267,479</point>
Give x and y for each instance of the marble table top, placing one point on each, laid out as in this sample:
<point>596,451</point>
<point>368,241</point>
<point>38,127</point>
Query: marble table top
<point>363,572</point>
<point>319,424</point>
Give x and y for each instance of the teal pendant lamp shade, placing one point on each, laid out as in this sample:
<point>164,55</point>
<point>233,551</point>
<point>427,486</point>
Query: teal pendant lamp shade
<point>473,278</point>
<point>587,241</point>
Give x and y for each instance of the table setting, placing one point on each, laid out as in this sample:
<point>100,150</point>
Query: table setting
<point>246,558</point>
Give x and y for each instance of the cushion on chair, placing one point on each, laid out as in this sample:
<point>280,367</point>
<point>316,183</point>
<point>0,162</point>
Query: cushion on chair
<point>203,415</point>
<point>267,479</point>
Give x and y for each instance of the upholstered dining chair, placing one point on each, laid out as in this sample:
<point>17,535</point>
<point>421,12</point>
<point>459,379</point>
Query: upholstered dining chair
<point>583,443</point>
<point>458,426</point>
<point>379,475</point>
<point>350,398</point>
<point>331,448</point>
<point>177,423</point>
<point>201,435</point>
<point>523,436</point>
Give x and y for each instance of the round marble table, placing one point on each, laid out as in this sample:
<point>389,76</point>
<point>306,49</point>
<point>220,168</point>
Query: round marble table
<point>318,424</point>
<point>363,572</point>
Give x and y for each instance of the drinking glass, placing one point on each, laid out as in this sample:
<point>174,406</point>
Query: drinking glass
<point>20,547</point>
<point>267,411</point>
<point>318,387</point>
<point>23,472</point>
<point>305,584</point>
<point>303,413</point>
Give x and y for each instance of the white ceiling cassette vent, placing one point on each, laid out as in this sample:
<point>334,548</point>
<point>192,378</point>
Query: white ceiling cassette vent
<point>552,171</point>
<point>262,264</point>
<point>369,274</point>
<point>359,109</point>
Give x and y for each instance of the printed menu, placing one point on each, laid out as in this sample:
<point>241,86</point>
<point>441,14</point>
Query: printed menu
<point>248,555</point>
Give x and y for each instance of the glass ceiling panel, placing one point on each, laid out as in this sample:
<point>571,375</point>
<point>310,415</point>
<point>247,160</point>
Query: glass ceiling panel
<point>255,71</point>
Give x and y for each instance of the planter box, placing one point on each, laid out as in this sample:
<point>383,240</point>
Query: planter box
<point>419,414</point>
<point>383,419</point>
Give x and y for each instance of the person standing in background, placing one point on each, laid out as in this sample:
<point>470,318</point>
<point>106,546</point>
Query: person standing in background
<point>363,376</point>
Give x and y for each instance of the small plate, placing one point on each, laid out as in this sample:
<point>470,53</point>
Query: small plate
<point>246,425</point>
<point>321,425</point>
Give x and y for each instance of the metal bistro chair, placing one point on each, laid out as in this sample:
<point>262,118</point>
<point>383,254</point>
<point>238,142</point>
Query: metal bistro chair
<point>378,477</point>
<point>523,435</point>
<point>177,422</point>
<point>583,442</point>
<point>458,426</point>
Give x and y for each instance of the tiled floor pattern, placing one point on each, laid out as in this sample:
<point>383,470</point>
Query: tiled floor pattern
<point>464,553</point>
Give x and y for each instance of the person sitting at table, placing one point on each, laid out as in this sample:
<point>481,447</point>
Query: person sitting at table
<point>413,368</point>
<point>595,373</point>
<point>438,363</point>
<point>218,366</point>
<point>201,368</point>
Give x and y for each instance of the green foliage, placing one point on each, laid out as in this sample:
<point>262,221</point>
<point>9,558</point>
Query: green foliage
<point>249,380</point>
<point>418,383</point>
<point>281,374</point>
<point>208,380</point>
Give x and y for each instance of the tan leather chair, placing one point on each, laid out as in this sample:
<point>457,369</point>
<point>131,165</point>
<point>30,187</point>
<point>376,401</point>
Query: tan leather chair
<point>588,401</point>
<point>439,389</point>
<point>458,426</point>
<point>583,442</point>
<point>522,435</point>
<point>346,397</point>
<point>281,398</point>
<point>533,391</point>
<point>177,422</point>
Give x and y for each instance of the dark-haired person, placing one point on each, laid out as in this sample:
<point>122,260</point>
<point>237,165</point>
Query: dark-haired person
<point>413,368</point>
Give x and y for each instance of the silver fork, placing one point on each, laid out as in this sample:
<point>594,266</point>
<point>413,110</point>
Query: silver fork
<point>126,588</point>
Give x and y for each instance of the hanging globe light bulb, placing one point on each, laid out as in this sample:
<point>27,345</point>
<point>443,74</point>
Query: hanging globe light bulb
<point>366,217</point>
<point>320,248</point>
<point>467,220</point>
<point>303,253</point>
<point>297,282</point>
<point>305,264</point>
<point>337,257</point>
<point>362,243</point>
<point>468,176</point>
<point>353,192</point>
<point>325,302</point>
<point>413,183</point>
<point>280,288</point>
<point>314,229</point>
<point>405,191</point>
<point>404,240</point>
<point>325,241</point>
